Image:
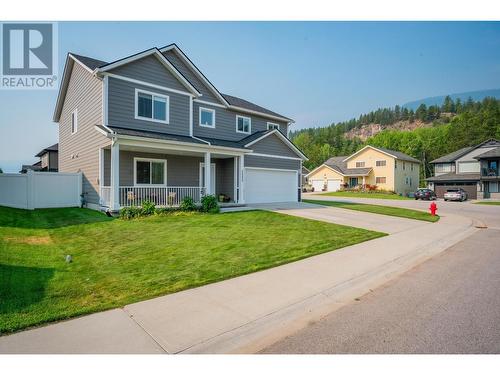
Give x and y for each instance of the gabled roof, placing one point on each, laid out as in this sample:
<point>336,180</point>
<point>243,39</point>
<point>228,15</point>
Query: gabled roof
<point>237,103</point>
<point>95,66</point>
<point>89,62</point>
<point>174,47</point>
<point>339,165</point>
<point>54,147</point>
<point>451,157</point>
<point>495,153</point>
<point>395,154</point>
<point>258,136</point>
<point>156,53</point>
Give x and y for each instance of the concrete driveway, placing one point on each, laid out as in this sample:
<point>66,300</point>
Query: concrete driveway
<point>366,220</point>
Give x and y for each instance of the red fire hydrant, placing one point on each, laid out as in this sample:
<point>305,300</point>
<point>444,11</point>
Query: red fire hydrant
<point>433,207</point>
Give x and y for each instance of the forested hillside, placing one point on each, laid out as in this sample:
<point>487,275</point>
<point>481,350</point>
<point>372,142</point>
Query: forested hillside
<point>448,127</point>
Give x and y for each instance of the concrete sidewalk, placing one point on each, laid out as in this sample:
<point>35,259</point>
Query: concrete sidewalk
<point>246,313</point>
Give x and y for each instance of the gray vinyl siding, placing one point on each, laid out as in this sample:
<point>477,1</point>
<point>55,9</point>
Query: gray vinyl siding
<point>207,94</point>
<point>80,151</point>
<point>225,123</point>
<point>224,176</point>
<point>151,70</point>
<point>273,145</point>
<point>276,163</point>
<point>181,170</point>
<point>121,109</point>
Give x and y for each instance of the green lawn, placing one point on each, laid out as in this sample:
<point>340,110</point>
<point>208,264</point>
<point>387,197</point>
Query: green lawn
<point>489,203</point>
<point>354,194</point>
<point>377,209</point>
<point>117,262</point>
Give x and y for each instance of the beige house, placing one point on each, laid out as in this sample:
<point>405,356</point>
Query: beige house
<point>387,169</point>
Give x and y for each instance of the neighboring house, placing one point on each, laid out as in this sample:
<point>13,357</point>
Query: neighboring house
<point>305,172</point>
<point>145,127</point>
<point>467,169</point>
<point>387,169</point>
<point>49,160</point>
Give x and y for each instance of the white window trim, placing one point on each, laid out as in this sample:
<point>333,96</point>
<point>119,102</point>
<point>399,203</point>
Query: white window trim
<point>213,117</point>
<point>249,124</point>
<point>75,112</point>
<point>377,161</point>
<point>166,97</point>
<point>273,124</point>
<point>356,162</point>
<point>150,160</point>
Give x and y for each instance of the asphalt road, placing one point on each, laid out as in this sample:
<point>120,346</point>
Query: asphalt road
<point>449,304</point>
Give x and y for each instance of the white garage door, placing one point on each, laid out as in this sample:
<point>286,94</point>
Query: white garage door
<point>333,185</point>
<point>317,185</point>
<point>269,186</point>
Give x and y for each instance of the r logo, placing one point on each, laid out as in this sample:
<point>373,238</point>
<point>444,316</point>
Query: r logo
<point>27,49</point>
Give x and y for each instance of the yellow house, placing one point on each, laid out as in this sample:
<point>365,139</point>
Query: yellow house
<point>387,169</point>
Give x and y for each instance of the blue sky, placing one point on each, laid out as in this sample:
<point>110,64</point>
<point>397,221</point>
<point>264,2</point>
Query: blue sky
<point>313,72</point>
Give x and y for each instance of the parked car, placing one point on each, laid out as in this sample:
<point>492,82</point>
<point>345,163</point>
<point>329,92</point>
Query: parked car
<point>425,194</point>
<point>306,188</point>
<point>455,195</point>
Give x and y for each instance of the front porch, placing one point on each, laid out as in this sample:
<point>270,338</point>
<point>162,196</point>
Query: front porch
<point>130,175</point>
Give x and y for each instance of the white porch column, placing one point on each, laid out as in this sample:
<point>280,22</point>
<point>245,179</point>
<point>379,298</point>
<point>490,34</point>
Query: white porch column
<point>115,177</point>
<point>364,182</point>
<point>208,168</point>
<point>235,180</point>
<point>242,180</point>
<point>101,175</point>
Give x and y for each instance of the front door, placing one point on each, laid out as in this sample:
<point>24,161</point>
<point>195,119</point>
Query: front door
<point>353,182</point>
<point>212,177</point>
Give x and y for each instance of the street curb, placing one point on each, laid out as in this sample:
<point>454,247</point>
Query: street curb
<point>262,332</point>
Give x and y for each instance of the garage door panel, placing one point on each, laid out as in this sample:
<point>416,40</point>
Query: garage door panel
<point>269,186</point>
<point>470,189</point>
<point>317,184</point>
<point>333,185</point>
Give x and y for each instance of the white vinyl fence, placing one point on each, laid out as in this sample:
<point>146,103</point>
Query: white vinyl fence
<point>40,189</point>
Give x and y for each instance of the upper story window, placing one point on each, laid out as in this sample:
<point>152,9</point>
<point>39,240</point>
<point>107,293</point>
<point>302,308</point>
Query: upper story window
<point>74,121</point>
<point>272,126</point>
<point>151,106</point>
<point>411,166</point>
<point>207,117</point>
<point>404,166</point>
<point>381,163</point>
<point>243,124</point>
<point>360,164</point>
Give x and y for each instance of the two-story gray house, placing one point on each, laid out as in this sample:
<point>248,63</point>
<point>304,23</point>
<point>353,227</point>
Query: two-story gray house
<point>152,126</point>
<point>473,168</point>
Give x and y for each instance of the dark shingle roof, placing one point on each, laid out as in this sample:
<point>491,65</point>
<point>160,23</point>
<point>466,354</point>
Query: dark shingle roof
<point>54,147</point>
<point>454,177</point>
<point>452,156</point>
<point>150,134</point>
<point>89,62</point>
<point>338,163</point>
<point>238,102</point>
<point>495,153</point>
<point>398,154</point>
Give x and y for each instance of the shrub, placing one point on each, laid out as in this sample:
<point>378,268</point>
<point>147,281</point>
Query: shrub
<point>127,213</point>
<point>187,204</point>
<point>209,204</point>
<point>166,210</point>
<point>148,208</point>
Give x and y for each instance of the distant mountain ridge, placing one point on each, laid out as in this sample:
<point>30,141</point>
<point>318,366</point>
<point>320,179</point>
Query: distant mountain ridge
<point>463,96</point>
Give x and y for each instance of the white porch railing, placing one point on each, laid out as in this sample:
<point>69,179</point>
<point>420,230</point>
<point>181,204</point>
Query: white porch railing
<point>105,196</point>
<point>160,195</point>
